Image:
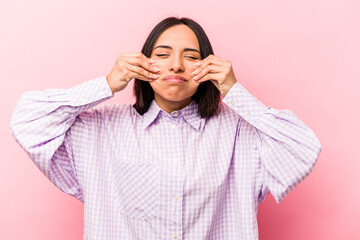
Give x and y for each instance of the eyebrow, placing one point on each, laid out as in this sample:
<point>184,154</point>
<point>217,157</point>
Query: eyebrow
<point>185,49</point>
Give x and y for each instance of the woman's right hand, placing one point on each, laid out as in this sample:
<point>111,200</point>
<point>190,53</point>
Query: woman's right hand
<point>129,66</point>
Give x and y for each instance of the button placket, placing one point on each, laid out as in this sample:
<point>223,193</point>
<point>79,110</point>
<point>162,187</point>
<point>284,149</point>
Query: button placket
<point>176,173</point>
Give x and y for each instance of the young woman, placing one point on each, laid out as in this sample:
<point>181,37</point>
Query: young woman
<point>191,159</point>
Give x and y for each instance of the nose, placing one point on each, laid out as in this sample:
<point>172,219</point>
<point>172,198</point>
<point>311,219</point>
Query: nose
<point>177,64</point>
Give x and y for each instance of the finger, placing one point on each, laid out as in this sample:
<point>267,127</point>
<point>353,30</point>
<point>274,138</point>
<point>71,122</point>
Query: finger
<point>214,77</point>
<point>136,58</point>
<point>148,65</point>
<point>141,77</point>
<point>206,64</point>
<point>211,59</point>
<point>142,57</point>
<point>133,55</point>
<point>143,62</point>
<point>208,69</point>
<point>141,71</point>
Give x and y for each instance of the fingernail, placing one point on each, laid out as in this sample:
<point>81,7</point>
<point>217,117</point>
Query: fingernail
<point>196,71</point>
<point>196,77</point>
<point>156,69</point>
<point>155,75</point>
<point>197,64</point>
<point>152,60</point>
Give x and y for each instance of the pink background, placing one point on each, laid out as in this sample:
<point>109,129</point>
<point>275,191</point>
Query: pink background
<point>299,55</point>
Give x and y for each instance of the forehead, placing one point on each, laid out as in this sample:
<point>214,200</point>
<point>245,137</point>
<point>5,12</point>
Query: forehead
<point>178,36</point>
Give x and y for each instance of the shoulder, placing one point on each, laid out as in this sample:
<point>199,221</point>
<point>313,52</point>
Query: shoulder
<point>106,113</point>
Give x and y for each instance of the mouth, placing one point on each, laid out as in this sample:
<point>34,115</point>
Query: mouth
<point>175,79</point>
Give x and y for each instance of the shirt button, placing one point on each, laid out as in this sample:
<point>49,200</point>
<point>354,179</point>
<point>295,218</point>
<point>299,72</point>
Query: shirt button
<point>175,114</point>
<point>101,93</point>
<point>176,197</point>
<point>177,161</point>
<point>232,102</point>
<point>175,236</point>
<point>173,126</point>
<point>247,115</point>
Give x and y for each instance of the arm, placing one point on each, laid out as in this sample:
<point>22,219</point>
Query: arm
<point>288,149</point>
<point>40,124</point>
<point>42,121</point>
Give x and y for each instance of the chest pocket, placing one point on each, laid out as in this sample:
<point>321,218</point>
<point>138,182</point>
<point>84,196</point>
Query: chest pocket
<point>136,186</point>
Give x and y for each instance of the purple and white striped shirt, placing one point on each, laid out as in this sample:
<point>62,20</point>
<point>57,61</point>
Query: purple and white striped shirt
<point>160,175</point>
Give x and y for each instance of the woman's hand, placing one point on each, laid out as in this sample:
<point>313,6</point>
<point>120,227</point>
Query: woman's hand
<point>219,71</point>
<point>129,66</point>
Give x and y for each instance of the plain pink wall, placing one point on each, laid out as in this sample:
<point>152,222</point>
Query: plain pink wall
<point>299,55</point>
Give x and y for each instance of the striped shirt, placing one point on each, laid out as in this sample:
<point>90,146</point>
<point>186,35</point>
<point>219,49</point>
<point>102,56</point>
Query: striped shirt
<point>160,175</point>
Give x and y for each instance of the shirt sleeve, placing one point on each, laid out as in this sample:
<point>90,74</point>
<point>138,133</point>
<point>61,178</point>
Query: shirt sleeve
<point>288,149</point>
<point>40,124</point>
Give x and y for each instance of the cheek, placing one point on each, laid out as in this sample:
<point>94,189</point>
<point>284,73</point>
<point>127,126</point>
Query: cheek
<point>194,85</point>
<point>157,87</point>
<point>191,68</point>
<point>160,66</point>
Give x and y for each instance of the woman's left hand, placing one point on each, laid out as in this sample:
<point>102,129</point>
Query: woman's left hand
<point>219,71</point>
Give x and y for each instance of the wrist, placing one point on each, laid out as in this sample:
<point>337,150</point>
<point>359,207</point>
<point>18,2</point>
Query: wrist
<point>227,88</point>
<point>110,85</point>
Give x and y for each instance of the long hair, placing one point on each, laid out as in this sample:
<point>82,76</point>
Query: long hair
<point>207,95</point>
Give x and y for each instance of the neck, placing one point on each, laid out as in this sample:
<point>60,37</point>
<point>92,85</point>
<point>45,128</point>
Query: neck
<point>170,106</point>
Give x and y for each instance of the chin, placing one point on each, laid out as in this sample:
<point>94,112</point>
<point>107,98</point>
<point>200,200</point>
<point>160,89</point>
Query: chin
<point>176,98</point>
<point>175,92</point>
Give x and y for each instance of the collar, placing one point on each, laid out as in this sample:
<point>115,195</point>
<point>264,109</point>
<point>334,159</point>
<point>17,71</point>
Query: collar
<point>189,113</point>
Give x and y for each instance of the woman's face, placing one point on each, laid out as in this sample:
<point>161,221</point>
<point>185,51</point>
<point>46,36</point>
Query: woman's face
<point>175,51</point>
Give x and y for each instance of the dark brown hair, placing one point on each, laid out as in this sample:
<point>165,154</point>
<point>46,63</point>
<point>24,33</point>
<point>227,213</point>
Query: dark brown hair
<point>207,95</point>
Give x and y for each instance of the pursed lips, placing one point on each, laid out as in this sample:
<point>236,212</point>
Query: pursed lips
<point>175,79</point>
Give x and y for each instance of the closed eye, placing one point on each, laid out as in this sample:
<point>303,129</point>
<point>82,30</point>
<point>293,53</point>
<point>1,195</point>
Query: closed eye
<point>162,55</point>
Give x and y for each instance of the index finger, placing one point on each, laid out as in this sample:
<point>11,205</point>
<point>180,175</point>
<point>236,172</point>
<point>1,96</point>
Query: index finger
<point>140,60</point>
<point>141,56</point>
<point>201,61</point>
<point>147,59</point>
<point>146,64</point>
